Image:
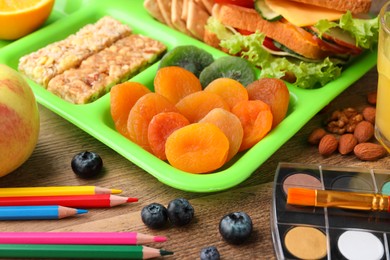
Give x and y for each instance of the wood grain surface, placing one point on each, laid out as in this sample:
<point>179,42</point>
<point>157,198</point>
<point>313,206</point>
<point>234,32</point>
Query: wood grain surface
<point>59,141</point>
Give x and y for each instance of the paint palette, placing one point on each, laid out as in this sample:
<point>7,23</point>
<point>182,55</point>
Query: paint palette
<point>329,233</point>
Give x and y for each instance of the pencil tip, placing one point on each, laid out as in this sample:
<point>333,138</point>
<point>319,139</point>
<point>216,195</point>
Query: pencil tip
<point>160,239</point>
<point>81,211</point>
<point>165,252</point>
<point>132,200</point>
<point>115,191</point>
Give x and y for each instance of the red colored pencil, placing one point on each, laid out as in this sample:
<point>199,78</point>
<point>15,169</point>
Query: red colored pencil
<point>78,201</point>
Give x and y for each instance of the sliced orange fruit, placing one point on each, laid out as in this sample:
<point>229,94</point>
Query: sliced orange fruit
<point>21,17</point>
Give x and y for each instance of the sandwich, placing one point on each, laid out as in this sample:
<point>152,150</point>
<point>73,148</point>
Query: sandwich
<point>306,42</point>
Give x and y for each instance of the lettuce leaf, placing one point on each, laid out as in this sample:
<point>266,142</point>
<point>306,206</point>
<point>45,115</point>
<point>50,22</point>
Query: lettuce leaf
<point>308,74</point>
<point>365,31</point>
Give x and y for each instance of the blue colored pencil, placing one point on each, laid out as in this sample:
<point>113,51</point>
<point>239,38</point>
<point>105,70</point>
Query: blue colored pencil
<point>37,212</point>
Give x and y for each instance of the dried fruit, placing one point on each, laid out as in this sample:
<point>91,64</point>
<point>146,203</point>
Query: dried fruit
<point>346,143</point>
<point>364,131</point>
<point>316,136</point>
<point>328,145</point>
<point>369,151</point>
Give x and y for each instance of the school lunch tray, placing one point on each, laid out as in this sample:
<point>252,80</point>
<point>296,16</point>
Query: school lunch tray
<point>69,16</point>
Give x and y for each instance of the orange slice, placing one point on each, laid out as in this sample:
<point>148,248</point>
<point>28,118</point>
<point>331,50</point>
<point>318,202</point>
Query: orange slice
<point>21,17</point>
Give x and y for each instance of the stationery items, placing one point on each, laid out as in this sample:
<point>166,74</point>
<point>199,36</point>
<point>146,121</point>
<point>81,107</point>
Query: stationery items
<point>79,238</point>
<point>55,191</point>
<point>80,251</point>
<point>37,212</point>
<point>76,201</point>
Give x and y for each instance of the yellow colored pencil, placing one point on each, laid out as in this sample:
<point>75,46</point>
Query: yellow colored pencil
<point>55,191</point>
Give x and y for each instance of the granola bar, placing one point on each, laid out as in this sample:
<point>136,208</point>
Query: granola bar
<point>55,58</point>
<point>99,72</point>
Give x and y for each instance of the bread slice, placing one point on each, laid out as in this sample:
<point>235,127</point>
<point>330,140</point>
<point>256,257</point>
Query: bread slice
<point>355,6</point>
<point>289,35</point>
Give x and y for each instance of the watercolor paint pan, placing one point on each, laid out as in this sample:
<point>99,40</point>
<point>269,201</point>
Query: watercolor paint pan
<point>302,232</point>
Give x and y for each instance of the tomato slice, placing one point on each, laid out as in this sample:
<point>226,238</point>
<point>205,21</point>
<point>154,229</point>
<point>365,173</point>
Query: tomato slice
<point>244,3</point>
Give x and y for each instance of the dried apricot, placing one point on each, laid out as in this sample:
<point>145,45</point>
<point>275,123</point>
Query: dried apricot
<point>232,91</point>
<point>275,93</point>
<point>256,120</point>
<point>230,125</point>
<point>175,82</point>
<point>196,105</point>
<point>142,113</point>
<point>197,148</point>
<point>160,127</point>
<point>122,98</point>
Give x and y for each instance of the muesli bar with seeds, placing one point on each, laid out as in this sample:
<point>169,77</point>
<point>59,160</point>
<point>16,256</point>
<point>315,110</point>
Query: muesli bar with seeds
<point>99,72</point>
<point>55,58</point>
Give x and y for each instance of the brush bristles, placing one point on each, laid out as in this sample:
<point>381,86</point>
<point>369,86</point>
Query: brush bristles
<point>301,196</point>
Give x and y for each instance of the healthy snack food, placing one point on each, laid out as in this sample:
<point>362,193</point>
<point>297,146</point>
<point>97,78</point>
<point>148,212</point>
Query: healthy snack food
<point>228,67</point>
<point>189,57</point>
<point>236,227</point>
<point>87,164</point>
<point>174,83</point>
<point>44,64</point>
<point>229,89</point>
<point>197,148</point>
<point>122,98</point>
<point>273,92</point>
<point>198,104</point>
<point>142,113</point>
<point>154,215</point>
<point>256,120</point>
<point>161,127</point>
<point>180,212</point>
<point>209,253</point>
<point>99,72</point>
<point>230,125</point>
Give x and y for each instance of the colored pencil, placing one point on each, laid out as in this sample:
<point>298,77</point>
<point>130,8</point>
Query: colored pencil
<point>37,212</point>
<point>75,201</point>
<point>80,251</point>
<point>55,191</point>
<point>79,238</point>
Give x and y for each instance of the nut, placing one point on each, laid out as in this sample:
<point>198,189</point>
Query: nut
<point>328,145</point>
<point>371,98</point>
<point>342,121</point>
<point>369,114</point>
<point>316,135</point>
<point>346,143</point>
<point>364,131</point>
<point>369,151</point>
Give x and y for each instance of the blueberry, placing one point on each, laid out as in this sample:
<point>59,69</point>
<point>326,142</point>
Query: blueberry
<point>87,164</point>
<point>209,253</point>
<point>235,227</point>
<point>180,212</point>
<point>154,215</point>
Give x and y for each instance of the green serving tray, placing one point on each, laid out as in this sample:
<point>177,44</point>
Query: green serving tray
<point>70,15</point>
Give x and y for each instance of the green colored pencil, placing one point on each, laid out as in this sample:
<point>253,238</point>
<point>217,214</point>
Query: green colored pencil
<point>80,251</point>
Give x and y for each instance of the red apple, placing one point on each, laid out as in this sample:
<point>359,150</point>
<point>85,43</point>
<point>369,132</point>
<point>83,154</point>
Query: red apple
<point>19,120</point>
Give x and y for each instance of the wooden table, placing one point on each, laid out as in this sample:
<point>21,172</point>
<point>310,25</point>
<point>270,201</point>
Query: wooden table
<point>59,141</point>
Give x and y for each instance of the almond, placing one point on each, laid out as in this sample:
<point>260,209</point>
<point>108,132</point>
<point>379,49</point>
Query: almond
<point>369,114</point>
<point>328,145</point>
<point>369,151</point>
<point>346,143</point>
<point>316,135</point>
<point>364,131</point>
<point>371,98</point>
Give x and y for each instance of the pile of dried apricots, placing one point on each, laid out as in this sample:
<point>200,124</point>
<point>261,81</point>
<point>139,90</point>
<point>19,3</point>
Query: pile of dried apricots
<point>197,129</point>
